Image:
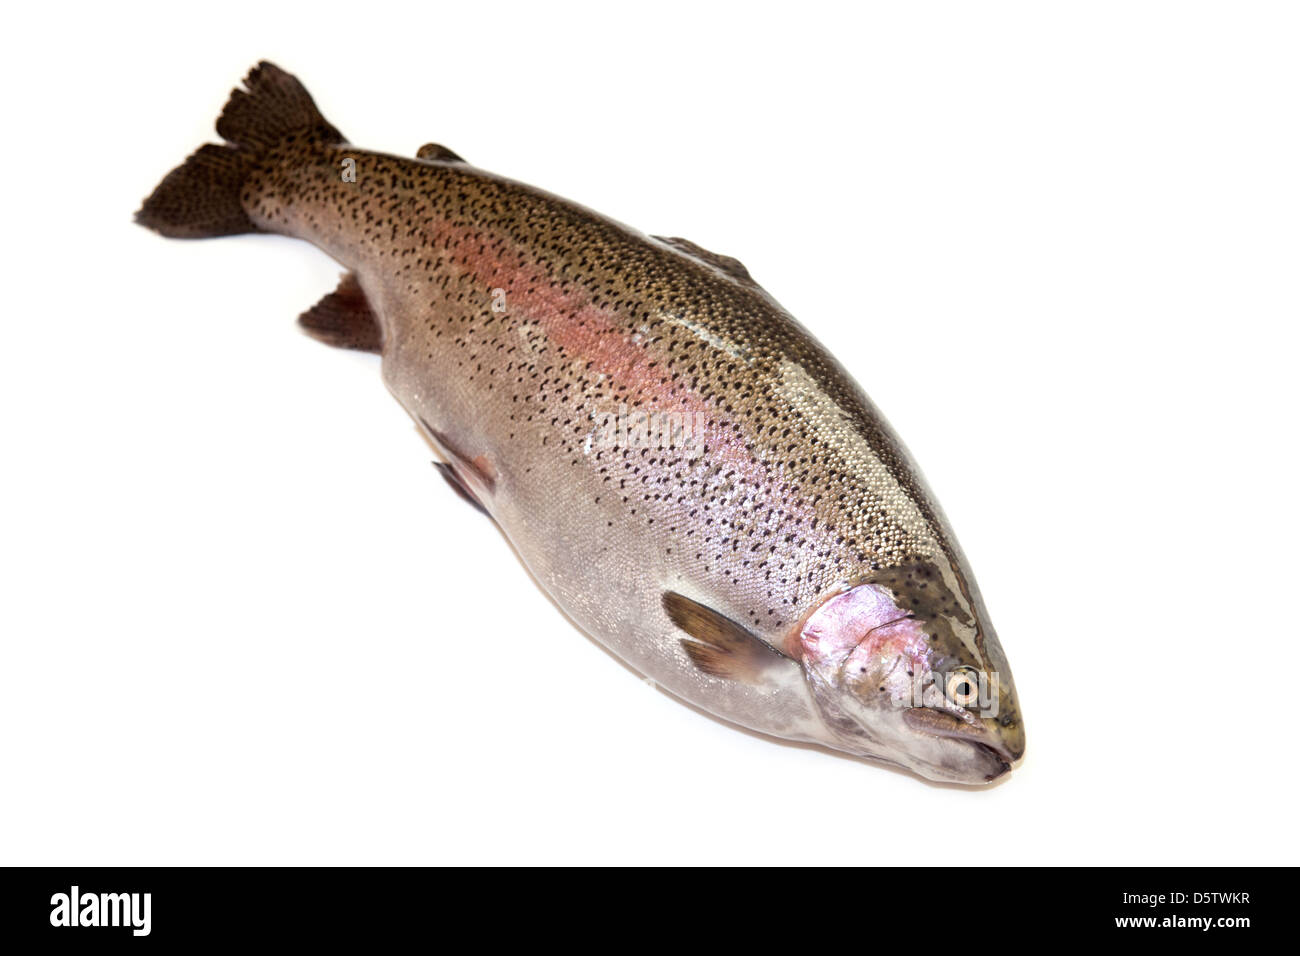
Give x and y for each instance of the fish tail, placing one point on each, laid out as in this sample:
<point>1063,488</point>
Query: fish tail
<point>202,196</point>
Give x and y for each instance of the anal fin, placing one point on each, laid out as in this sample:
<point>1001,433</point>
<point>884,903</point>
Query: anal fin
<point>344,319</point>
<point>719,646</point>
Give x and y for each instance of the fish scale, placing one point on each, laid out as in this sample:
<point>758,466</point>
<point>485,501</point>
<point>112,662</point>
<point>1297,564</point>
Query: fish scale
<point>512,323</point>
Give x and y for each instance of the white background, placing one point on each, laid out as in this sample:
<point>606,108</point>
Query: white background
<point>243,621</point>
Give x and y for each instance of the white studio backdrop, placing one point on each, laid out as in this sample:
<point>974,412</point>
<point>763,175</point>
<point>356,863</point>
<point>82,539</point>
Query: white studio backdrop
<point>243,621</point>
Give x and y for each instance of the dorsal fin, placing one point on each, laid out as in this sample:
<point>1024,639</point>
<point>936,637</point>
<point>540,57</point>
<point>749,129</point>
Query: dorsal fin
<point>732,267</point>
<point>437,152</point>
<point>718,645</point>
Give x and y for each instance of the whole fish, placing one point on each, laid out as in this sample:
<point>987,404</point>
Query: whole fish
<point>688,473</point>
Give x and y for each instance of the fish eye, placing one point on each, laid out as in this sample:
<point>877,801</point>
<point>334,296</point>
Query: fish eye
<point>962,688</point>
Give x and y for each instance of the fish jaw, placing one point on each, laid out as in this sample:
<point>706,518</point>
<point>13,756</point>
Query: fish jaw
<point>894,686</point>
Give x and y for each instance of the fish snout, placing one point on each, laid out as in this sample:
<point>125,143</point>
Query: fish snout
<point>1011,734</point>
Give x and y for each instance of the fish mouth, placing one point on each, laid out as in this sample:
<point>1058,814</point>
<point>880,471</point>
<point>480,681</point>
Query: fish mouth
<point>999,759</point>
<point>994,757</point>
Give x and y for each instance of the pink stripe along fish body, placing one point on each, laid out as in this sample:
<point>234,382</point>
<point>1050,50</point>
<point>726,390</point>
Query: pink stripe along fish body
<point>689,474</point>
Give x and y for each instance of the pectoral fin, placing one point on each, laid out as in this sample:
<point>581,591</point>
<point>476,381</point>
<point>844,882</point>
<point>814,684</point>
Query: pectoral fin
<point>718,645</point>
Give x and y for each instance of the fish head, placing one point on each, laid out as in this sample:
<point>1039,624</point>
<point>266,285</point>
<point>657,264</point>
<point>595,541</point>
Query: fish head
<point>905,668</point>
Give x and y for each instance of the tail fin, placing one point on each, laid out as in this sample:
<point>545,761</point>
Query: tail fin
<point>201,197</point>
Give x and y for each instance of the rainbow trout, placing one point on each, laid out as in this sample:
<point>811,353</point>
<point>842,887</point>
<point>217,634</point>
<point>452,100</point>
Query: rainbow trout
<point>687,472</point>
